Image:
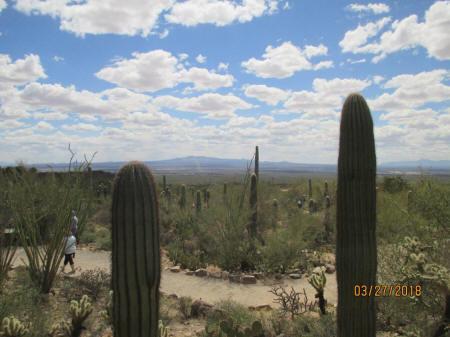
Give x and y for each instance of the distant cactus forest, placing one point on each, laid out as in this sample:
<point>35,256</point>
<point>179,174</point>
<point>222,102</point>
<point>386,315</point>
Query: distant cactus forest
<point>351,256</point>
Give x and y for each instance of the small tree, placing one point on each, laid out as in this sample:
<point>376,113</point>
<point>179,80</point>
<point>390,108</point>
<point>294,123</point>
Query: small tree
<point>41,206</point>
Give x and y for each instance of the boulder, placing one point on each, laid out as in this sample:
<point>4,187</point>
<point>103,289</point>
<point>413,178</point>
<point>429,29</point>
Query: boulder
<point>201,272</point>
<point>225,275</point>
<point>175,269</point>
<point>189,272</point>
<point>248,279</point>
<point>215,274</point>
<point>318,270</point>
<point>330,269</point>
<point>295,276</point>
<point>260,307</point>
<point>236,278</point>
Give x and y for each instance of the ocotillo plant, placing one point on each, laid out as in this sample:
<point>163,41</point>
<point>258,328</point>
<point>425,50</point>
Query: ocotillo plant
<point>183,197</point>
<point>198,203</point>
<point>257,162</point>
<point>310,188</point>
<point>136,260</point>
<point>356,250</point>
<point>253,205</point>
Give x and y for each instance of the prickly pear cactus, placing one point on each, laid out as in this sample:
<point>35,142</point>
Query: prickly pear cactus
<point>136,261</point>
<point>356,250</point>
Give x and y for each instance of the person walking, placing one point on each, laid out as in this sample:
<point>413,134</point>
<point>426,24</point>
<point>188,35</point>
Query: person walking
<point>74,225</point>
<point>69,253</point>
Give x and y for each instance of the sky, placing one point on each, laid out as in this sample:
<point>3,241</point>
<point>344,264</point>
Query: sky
<point>161,79</point>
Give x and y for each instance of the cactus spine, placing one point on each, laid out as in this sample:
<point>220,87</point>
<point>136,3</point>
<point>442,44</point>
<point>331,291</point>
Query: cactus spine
<point>356,251</point>
<point>257,162</point>
<point>136,261</point>
<point>198,203</point>
<point>253,205</point>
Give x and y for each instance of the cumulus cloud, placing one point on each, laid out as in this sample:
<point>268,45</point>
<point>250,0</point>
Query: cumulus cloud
<point>100,17</point>
<point>3,5</point>
<point>222,66</point>
<point>409,91</point>
<point>200,58</point>
<point>241,122</point>
<point>283,61</point>
<point>218,12</point>
<point>57,58</point>
<point>327,97</point>
<point>377,8</point>
<point>50,115</point>
<point>262,92</point>
<point>159,69</point>
<point>432,34</point>
<point>81,127</point>
<point>212,105</point>
<point>43,127</point>
<point>10,124</point>
<point>21,71</point>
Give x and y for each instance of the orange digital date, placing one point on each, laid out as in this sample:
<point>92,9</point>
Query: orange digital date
<point>395,290</point>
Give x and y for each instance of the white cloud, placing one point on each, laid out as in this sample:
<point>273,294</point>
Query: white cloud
<point>49,115</point>
<point>218,12</point>
<point>21,71</point>
<point>200,58</point>
<point>377,8</point>
<point>11,124</point>
<point>222,66</point>
<point>183,56</point>
<point>356,61</point>
<point>57,58</point>
<point>432,34</point>
<point>3,5</point>
<point>286,5</point>
<point>100,17</point>
<point>241,122</point>
<point>354,39</point>
<point>409,91</point>
<point>324,64</point>
<point>283,61</point>
<point>214,106</point>
<point>164,34</point>
<point>377,79</point>
<point>327,97</point>
<point>43,127</point>
<point>81,127</point>
<point>270,95</point>
<point>159,69</point>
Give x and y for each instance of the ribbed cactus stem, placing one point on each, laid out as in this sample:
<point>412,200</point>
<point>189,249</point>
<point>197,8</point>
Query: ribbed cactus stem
<point>183,197</point>
<point>310,188</point>
<point>326,188</point>
<point>136,261</point>
<point>164,183</point>
<point>356,251</point>
<point>253,205</point>
<point>257,162</point>
<point>198,203</point>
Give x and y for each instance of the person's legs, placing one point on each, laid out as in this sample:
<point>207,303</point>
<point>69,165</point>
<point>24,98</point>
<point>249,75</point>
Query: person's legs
<point>66,260</point>
<point>72,264</point>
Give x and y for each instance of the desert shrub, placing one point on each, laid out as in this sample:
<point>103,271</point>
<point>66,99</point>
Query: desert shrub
<point>184,305</point>
<point>91,282</point>
<point>394,184</point>
<point>280,251</point>
<point>324,326</point>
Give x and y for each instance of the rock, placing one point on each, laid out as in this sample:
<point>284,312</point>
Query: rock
<point>175,269</point>
<point>295,276</point>
<point>248,279</point>
<point>236,278</point>
<point>172,296</point>
<point>215,274</point>
<point>225,275</point>
<point>259,276</point>
<point>201,272</point>
<point>318,270</point>
<point>260,307</point>
<point>200,308</point>
<point>330,269</point>
<point>189,272</point>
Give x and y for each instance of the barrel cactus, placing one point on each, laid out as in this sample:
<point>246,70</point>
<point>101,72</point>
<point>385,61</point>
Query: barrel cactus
<point>356,251</point>
<point>136,260</point>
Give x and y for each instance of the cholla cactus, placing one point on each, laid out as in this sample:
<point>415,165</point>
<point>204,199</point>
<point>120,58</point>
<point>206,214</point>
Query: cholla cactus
<point>12,327</point>
<point>318,281</point>
<point>79,311</point>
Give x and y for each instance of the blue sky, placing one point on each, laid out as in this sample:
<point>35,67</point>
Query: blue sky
<point>150,80</point>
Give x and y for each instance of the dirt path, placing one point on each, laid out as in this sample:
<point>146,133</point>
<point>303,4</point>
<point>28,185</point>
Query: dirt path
<point>208,289</point>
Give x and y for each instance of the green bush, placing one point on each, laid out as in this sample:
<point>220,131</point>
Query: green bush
<point>394,184</point>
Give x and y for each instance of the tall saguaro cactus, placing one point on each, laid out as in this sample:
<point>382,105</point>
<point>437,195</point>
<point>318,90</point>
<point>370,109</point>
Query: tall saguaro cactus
<point>257,162</point>
<point>253,205</point>
<point>310,188</point>
<point>356,250</point>
<point>183,197</point>
<point>136,261</point>
<point>198,203</point>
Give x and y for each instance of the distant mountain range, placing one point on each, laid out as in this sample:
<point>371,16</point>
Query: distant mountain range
<point>198,164</point>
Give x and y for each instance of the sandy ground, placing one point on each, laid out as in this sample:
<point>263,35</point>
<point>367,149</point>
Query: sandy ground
<point>208,289</point>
